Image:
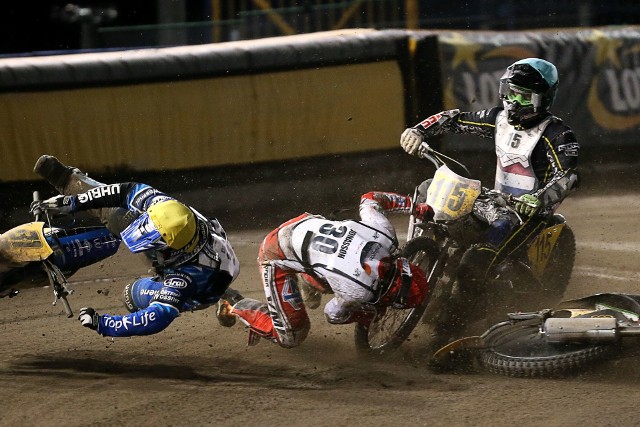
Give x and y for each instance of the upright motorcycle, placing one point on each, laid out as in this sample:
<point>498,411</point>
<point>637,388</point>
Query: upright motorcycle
<point>437,246</point>
<point>38,250</point>
<point>540,270</point>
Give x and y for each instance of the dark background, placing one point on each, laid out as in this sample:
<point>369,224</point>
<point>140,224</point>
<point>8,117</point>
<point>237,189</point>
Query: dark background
<point>37,26</point>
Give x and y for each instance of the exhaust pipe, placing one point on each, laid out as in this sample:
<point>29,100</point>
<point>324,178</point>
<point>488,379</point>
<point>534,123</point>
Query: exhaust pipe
<point>587,329</point>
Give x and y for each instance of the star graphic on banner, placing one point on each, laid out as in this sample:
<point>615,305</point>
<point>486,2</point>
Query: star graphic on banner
<point>606,48</point>
<point>464,50</point>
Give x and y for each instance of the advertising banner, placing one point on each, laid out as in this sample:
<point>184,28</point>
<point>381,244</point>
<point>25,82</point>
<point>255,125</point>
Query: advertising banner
<point>599,71</point>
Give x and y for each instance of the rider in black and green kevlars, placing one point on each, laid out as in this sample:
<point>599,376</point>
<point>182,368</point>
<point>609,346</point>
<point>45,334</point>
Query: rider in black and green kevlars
<point>537,158</point>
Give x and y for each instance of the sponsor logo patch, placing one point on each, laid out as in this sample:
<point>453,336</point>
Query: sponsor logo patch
<point>140,319</point>
<point>291,294</point>
<point>98,192</point>
<point>177,281</point>
<point>571,149</point>
<point>139,198</point>
<point>430,121</point>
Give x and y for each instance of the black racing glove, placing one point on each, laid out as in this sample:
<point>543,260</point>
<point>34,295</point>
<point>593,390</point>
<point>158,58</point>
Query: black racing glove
<point>63,205</point>
<point>89,318</point>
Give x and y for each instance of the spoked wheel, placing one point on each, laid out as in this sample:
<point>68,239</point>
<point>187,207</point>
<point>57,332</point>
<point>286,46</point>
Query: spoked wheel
<point>391,327</point>
<point>520,350</point>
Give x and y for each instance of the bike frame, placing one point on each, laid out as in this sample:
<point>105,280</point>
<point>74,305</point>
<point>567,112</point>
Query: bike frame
<point>59,251</point>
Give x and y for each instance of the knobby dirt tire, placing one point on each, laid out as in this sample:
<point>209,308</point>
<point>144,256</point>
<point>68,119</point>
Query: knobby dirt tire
<point>423,252</point>
<point>519,350</point>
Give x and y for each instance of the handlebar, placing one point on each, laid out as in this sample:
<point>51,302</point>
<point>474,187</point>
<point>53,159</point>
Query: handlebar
<point>438,159</point>
<point>41,213</point>
<point>37,212</point>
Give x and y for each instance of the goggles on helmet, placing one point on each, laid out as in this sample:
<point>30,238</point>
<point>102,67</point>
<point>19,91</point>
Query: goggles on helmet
<point>142,235</point>
<point>520,95</point>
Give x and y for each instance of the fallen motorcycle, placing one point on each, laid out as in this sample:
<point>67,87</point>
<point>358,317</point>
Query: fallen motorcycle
<point>437,246</point>
<point>38,250</point>
<point>575,335</point>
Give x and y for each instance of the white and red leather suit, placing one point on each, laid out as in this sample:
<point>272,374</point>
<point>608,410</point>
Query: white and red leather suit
<point>350,259</point>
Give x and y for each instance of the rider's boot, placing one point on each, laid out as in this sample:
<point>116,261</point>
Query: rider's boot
<point>225,307</point>
<point>224,315</point>
<point>255,315</point>
<point>69,180</point>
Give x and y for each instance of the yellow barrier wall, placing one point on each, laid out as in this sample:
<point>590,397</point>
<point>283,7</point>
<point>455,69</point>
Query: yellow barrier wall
<point>205,122</point>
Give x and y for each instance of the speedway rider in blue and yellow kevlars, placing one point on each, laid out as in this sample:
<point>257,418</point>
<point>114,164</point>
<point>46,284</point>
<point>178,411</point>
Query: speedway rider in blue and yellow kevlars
<point>537,156</point>
<point>194,260</point>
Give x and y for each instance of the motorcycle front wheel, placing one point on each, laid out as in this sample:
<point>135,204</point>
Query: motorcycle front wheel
<point>391,328</point>
<point>521,350</point>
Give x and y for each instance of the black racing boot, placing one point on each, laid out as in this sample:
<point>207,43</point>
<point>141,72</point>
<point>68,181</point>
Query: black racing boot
<point>67,180</point>
<point>71,181</point>
<point>54,171</point>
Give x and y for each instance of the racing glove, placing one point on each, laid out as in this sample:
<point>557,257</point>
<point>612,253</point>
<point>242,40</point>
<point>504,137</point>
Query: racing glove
<point>89,318</point>
<point>410,141</point>
<point>62,205</point>
<point>423,211</point>
<point>527,204</point>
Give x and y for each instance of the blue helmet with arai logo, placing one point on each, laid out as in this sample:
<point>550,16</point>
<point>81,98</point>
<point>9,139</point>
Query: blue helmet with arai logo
<point>527,89</point>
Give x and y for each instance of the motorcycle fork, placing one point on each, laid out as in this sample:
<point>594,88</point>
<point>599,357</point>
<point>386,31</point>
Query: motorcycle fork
<point>441,280</point>
<point>59,284</point>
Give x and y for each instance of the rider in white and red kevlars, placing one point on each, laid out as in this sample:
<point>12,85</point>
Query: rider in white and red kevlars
<point>354,260</point>
<point>537,158</point>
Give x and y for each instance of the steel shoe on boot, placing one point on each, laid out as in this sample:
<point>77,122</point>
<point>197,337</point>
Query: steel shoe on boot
<point>54,171</point>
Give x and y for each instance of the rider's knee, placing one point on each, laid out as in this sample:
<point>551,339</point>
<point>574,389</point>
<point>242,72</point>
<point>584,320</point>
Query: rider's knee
<point>270,248</point>
<point>474,266</point>
<point>79,182</point>
<point>423,188</point>
<point>295,335</point>
<point>138,295</point>
<point>499,231</point>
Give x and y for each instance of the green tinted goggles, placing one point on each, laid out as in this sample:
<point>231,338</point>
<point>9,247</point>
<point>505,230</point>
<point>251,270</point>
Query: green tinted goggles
<point>518,94</point>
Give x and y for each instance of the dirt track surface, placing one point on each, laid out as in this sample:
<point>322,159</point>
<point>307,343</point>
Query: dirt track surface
<point>54,372</point>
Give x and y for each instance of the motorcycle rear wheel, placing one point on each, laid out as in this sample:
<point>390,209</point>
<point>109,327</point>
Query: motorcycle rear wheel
<point>520,350</point>
<point>391,329</point>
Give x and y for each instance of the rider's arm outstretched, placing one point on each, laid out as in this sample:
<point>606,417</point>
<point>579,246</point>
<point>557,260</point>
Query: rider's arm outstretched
<point>132,196</point>
<point>375,205</point>
<point>480,123</point>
